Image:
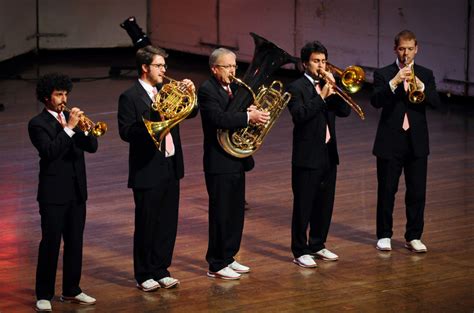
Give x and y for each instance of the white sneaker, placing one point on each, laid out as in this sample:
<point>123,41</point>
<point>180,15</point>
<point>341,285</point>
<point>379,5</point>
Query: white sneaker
<point>384,244</point>
<point>168,282</point>
<point>416,246</point>
<point>225,273</point>
<point>306,261</point>
<point>326,255</point>
<point>81,298</point>
<point>148,285</point>
<point>43,306</point>
<point>239,268</point>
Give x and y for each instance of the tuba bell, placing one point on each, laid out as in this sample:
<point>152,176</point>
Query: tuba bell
<point>174,102</point>
<point>267,59</point>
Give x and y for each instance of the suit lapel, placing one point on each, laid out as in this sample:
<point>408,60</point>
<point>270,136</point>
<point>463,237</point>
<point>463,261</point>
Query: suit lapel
<point>308,86</point>
<point>222,93</point>
<point>51,121</point>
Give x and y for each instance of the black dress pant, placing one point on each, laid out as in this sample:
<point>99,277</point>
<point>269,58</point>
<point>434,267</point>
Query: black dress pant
<point>156,223</point>
<point>226,217</point>
<point>313,202</point>
<point>388,175</point>
<point>66,221</point>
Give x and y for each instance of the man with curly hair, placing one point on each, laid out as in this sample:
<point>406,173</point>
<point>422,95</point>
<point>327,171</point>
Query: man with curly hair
<point>62,190</point>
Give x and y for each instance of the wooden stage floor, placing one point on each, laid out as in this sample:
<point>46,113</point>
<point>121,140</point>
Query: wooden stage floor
<point>363,280</point>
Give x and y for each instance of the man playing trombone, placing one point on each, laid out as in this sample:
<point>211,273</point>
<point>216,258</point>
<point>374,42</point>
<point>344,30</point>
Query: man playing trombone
<point>154,174</point>
<point>402,89</point>
<point>314,107</point>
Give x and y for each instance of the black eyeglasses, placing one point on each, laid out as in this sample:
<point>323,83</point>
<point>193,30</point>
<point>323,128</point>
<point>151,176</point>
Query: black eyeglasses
<point>227,67</point>
<point>165,66</point>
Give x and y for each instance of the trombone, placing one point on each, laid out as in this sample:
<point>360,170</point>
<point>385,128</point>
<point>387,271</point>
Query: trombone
<point>415,95</point>
<point>353,79</point>
<point>88,126</point>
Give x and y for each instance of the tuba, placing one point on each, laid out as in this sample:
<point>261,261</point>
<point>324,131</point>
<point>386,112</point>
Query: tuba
<point>174,102</point>
<point>267,59</point>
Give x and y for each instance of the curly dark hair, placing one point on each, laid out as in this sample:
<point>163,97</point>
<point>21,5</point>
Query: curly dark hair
<point>51,82</point>
<point>310,47</point>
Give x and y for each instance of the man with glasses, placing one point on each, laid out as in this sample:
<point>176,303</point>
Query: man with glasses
<point>153,175</point>
<point>224,174</point>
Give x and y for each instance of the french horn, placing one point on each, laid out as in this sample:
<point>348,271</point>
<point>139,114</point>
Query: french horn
<point>174,102</point>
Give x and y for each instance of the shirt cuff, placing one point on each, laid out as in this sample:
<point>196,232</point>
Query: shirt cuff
<point>392,86</point>
<point>69,131</point>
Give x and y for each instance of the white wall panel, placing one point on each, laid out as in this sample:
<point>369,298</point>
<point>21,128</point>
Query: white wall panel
<point>87,23</point>
<point>346,28</point>
<point>17,27</point>
<point>185,25</point>
<point>273,20</point>
<point>199,27</point>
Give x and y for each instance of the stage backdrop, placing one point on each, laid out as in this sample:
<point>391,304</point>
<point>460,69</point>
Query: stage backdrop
<point>355,32</point>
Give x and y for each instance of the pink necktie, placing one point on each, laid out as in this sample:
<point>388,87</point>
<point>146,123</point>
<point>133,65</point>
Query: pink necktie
<point>405,124</point>
<point>169,144</point>
<point>61,120</point>
<point>328,134</point>
<point>168,139</point>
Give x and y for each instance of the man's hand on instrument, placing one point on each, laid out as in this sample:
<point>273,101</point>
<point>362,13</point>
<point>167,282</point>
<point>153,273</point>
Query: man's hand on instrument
<point>256,116</point>
<point>74,117</point>
<point>189,84</point>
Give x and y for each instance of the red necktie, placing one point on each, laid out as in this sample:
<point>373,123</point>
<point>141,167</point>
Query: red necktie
<point>229,91</point>
<point>328,134</point>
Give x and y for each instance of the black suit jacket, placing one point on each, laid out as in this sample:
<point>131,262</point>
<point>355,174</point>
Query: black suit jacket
<point>213,103</point>
<point>390,135</point>
<point>146,163</point>
<point>310,115</point>
<point>61,159</point>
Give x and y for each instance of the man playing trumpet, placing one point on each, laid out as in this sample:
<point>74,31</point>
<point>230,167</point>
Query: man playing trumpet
<point>62,190</point>
<point>401,142</point>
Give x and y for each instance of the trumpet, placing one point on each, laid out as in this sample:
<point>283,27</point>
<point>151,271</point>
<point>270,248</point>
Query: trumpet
<point>343,95</point>
<point>88,126</point>
<point>415,95</point>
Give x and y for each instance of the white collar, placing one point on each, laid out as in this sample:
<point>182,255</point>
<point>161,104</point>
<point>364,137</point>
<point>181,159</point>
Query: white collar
<point>311,79</point>
<point>398,63</point>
